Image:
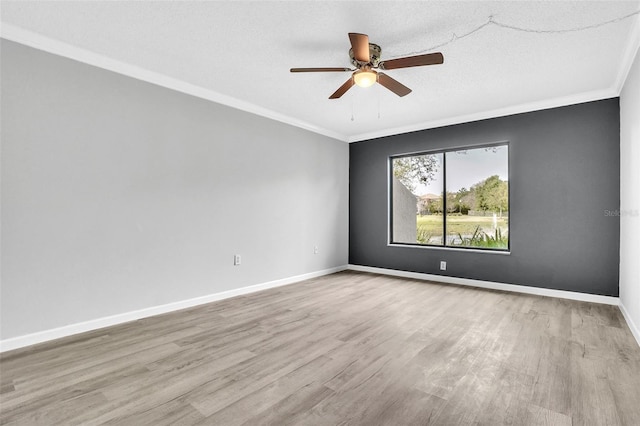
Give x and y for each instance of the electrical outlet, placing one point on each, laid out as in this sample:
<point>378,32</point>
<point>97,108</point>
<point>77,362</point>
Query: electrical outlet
<point>236,259</point>
<point>443,265</point>
<point>315,250</point>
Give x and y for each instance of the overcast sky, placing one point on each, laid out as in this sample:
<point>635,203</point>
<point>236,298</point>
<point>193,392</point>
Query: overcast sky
<point>468,167</point>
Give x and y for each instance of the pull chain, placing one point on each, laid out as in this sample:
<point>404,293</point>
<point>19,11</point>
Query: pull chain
<point>352,102</point>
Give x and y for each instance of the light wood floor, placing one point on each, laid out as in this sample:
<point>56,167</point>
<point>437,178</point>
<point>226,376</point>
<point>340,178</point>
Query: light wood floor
<point>349,348</point>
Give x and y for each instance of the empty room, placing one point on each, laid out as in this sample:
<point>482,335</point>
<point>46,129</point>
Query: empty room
<point>320,213</point>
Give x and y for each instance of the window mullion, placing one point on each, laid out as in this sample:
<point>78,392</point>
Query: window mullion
<point>444,199</point>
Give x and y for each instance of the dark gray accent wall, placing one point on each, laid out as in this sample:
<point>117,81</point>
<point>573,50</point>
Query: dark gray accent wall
<point>564,178</point>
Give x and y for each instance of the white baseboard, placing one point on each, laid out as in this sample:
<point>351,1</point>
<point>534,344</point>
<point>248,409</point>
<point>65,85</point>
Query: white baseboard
<point>562,294</point>
<point>632,326</point>
<point>69,330</point>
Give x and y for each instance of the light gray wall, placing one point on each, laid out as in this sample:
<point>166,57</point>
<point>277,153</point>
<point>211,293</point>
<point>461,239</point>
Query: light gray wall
<point>564,176</point>
<point>630,195</point>
<point>119,195</point>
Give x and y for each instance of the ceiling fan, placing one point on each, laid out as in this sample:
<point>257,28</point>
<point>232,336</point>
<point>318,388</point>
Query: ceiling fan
<point>365,57</point>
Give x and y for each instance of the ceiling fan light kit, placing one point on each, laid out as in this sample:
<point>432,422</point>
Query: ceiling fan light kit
<point>365,57</point>
<point>365,77</point>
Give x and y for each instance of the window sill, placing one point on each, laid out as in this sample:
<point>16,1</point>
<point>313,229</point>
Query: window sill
<point>440,248</point>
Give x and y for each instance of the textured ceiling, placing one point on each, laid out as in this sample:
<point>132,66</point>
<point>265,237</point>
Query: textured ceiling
<point>500,57</point>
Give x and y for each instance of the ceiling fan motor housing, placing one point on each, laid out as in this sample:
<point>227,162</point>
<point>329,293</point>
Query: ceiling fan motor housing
<point>374,53</point>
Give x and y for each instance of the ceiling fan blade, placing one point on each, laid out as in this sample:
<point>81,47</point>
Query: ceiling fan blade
<point>343,89</point>
<point>393,85</point>
<point>412,61</point>
<point>360,46</point>
<point>320,69</point>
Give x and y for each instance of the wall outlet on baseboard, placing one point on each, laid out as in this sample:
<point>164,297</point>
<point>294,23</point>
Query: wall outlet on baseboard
<point>236,259</point>
<point>316,250</point>
<point>443,265</point>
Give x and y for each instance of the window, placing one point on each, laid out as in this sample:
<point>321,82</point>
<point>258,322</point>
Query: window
<point>451,198</point>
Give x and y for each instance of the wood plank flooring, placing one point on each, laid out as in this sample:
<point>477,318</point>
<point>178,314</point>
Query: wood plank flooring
<point>345,349</point>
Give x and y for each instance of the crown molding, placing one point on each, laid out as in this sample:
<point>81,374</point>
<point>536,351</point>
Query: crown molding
<point>47,44</point>
<point>37,41</point>
<point>484,115</point>
<point>631,50</point>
